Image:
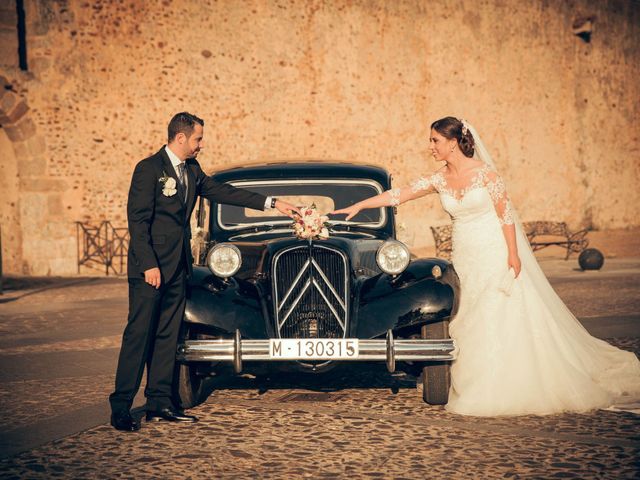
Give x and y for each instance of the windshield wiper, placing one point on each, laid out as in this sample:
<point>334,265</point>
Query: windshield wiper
<point>345,226</point>
<point>266,228</point>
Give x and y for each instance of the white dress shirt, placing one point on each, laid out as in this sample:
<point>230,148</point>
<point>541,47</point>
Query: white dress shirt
<point>175,161</point>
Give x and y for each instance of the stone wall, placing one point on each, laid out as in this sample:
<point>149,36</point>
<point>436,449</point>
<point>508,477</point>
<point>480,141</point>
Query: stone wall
<point>358,81</point>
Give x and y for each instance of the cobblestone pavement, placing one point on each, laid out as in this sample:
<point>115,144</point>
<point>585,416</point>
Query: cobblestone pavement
<point>58,346</point>
<point>367,432</point>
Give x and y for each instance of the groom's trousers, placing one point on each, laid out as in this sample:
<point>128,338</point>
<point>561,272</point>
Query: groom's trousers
<point>150,337</point>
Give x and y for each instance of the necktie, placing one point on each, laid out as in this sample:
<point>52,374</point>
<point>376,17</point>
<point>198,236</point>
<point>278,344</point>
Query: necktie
<point>181,180</point>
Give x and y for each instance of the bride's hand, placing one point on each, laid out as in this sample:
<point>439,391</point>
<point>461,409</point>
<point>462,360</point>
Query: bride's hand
<point>351,212</point>
<point>514,262</point>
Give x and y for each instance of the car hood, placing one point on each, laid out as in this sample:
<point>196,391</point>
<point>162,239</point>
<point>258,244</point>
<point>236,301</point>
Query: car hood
<point>257,255</point>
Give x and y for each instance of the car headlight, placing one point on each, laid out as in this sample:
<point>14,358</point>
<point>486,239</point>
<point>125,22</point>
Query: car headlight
<point>393,257</point>
<point>224,260</point>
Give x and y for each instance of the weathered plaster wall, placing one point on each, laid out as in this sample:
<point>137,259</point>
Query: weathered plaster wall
<point>343,80</point>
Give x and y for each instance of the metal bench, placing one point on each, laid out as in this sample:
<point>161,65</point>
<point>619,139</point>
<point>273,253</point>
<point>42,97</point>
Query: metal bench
<point>574,242</point>
<point>541,234</point>
<point>442,236</point>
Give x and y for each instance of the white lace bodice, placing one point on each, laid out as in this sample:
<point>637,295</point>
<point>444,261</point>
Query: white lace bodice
<point>485,183</point>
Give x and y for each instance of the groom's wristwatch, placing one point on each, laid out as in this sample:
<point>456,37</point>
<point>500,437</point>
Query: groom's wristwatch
<point>273,202</point>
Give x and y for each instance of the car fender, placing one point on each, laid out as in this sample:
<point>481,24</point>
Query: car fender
<point>225,305</point>
<point>415,297</point>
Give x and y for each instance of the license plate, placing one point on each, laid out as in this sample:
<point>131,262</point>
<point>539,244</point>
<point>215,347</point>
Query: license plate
<point>313,348</point>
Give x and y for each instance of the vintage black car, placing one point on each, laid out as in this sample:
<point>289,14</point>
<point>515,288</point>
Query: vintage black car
<point>260,297</point>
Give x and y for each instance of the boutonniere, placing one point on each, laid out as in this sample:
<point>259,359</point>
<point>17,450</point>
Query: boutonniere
<point>168,184</point>
<point>311,224</point>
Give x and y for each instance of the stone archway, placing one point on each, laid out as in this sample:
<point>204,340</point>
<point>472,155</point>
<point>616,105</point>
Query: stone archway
<point>23,160</point>
<point>10,231</point>
<point>12,110</point>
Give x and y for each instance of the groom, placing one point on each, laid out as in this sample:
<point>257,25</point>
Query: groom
<point>163,193</point>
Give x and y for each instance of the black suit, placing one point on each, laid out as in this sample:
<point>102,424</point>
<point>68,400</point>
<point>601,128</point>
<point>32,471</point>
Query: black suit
<point>160,236</point>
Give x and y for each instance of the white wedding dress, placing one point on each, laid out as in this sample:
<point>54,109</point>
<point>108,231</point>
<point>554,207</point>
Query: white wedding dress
<point>521,351</point>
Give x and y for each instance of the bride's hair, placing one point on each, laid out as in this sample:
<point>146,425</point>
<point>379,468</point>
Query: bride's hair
<point>453,128</point>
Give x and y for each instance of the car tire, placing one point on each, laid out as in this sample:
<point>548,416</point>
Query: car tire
<point>189,383</point>
<point>436,376</point>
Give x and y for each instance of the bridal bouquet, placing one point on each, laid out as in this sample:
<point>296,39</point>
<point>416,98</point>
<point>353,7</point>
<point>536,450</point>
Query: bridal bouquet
<point>311,224</point>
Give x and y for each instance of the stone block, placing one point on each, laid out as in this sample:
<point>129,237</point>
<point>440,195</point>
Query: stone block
<point>9,40</point>
<point>39,65</point>
<point>36,145</point>
<point>13,133</point>
<point>67,265</point>
<point>33,212</point>
<point>8,17</point>
<point>54,204</point>
<point>42,185</point>
<point>8,48</point>
<point>39,43</point>
<point>28,127</point>
<point>8,101</point>
<point>18,111</point>
<point>30,167</point>
<point>21,131</point>
<point>21,151</point>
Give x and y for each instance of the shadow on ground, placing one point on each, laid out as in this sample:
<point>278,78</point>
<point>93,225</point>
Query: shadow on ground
<point>317,386</point>
<point>15,288</point>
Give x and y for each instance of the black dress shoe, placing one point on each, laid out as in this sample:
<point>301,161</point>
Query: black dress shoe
<point>125,422</point>
<point>169,415</point>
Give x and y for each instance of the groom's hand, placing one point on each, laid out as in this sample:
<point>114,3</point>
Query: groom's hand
<point>152,277</point>
<point>287,209</point>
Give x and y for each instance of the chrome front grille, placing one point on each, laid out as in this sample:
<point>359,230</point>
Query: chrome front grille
<point>310,285</point>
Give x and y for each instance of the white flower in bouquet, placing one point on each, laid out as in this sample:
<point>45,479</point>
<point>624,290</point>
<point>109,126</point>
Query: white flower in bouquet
<point>311,224</point>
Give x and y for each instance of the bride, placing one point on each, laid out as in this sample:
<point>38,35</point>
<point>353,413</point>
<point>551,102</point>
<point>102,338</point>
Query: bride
<point>521,351</point>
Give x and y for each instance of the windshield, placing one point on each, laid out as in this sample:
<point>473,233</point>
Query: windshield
<point>327,195</point>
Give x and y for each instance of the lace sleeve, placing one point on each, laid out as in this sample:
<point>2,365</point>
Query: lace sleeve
<point>395,196</point>
<point>422,183</point>
<point>418,188</point>
<point>498,194</point>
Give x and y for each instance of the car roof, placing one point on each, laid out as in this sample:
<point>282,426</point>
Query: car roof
<point>301,170</point>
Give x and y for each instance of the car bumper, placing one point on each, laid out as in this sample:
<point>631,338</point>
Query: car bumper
<point>389,350</point>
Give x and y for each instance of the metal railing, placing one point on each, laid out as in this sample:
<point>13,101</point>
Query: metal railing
<point>103,245</point>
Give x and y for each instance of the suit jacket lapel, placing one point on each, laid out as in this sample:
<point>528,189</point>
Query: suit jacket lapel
<point>169,170</point>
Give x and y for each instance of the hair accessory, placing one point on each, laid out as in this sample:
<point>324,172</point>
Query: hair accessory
<point>465,127</point>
